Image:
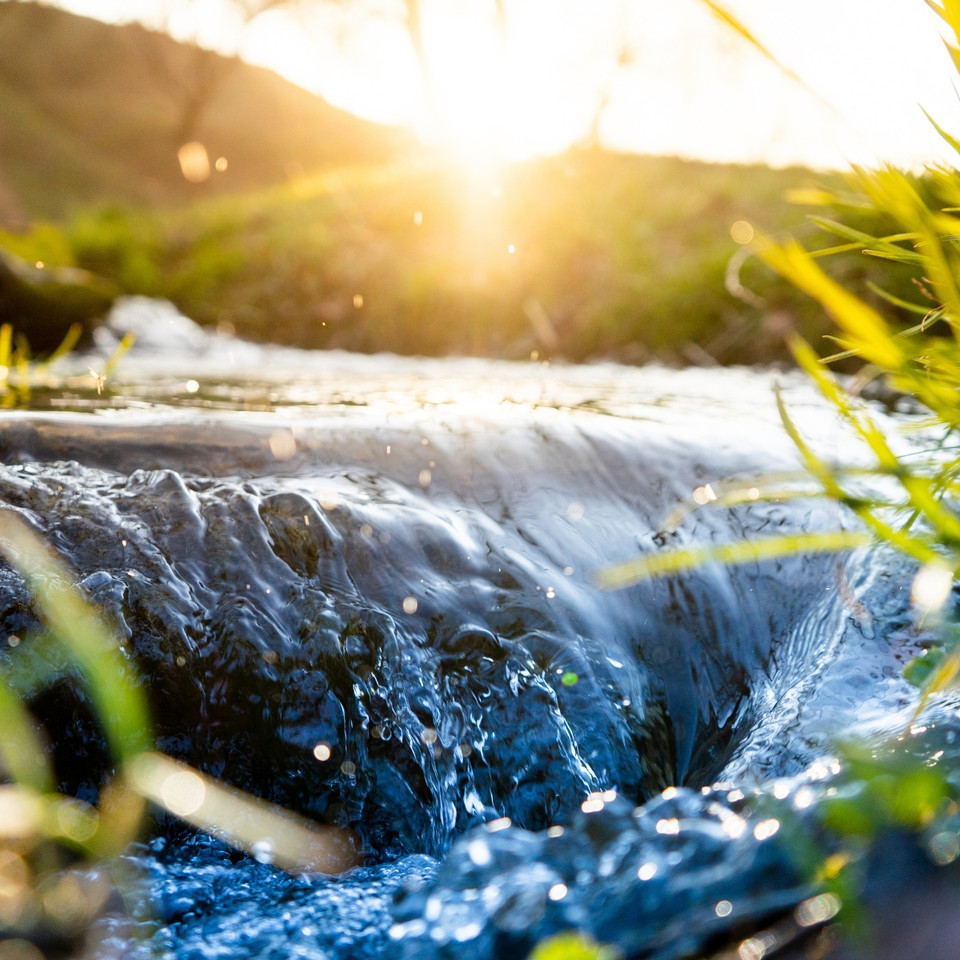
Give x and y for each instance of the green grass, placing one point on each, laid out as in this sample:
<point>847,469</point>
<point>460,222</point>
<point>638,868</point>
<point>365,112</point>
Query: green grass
<point>909,226</point>
<point>588,255</point>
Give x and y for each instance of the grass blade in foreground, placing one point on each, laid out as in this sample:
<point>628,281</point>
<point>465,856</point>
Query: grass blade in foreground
<point>744,551</point>
<point>270,833</point>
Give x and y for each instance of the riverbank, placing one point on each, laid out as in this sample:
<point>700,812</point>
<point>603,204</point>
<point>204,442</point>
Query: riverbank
<point>589,255</point>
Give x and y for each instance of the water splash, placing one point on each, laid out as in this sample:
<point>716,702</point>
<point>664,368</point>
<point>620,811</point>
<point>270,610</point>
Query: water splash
<point>369,599</point>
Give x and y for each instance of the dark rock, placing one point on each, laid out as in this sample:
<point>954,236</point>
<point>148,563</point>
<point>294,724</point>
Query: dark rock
<point>43,303</point>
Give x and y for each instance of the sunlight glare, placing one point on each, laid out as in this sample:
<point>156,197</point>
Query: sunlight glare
<point>685,87</point>
<point>280,43</point>
<point>466,95</point>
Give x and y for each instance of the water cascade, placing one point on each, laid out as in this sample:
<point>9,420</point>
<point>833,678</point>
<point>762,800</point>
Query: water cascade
<point>365,589</point>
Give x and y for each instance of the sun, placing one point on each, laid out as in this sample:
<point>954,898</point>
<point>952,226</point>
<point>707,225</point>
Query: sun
<point>465,85</point>
<point>486,89</point>
<point>501,88</point>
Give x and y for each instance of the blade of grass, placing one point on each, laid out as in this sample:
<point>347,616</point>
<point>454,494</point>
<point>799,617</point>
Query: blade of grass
<point>120,703</point>
<point>684,560</point>
<point>917,488</point>
<point>868,331</point>
<point>912,546</point>
<point>22,747</point>
<point>263,829</point>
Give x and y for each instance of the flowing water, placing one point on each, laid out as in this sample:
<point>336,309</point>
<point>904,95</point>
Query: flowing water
<point>364,588</point>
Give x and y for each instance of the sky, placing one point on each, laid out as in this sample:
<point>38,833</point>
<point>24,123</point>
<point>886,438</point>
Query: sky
<point>643,75</point>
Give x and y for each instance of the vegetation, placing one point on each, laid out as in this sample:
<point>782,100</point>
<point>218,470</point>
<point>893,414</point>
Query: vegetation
<point>328,233</point>
<point>589,255</point>
<point>910,503</point>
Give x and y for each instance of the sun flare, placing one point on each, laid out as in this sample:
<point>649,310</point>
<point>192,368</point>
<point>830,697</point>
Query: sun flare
<point>512,80</point>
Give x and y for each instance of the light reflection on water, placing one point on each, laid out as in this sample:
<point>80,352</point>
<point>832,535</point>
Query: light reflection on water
<point>360,587</point>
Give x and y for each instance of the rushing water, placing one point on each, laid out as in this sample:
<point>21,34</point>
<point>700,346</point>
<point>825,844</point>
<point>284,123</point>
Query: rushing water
<point>363,588</point>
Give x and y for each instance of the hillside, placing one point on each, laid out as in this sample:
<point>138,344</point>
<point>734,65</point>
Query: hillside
<point>93,112</point>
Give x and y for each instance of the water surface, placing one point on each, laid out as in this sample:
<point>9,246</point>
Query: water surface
<point>364,588</point>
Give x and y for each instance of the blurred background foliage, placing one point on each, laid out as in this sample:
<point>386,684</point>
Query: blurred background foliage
<point>308,226</point>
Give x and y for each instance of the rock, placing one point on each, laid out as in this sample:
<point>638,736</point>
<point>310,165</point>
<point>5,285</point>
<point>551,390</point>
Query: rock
<point>43,303</point>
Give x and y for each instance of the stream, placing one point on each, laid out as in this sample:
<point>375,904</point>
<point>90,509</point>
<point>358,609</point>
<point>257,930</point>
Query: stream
<point>364,588</point>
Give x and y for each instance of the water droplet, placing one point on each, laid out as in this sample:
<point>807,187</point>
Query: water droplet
<point>931,586</point>
<point>321,751</point>
<point>263,851</point>
<point>358,300</point>
<point>194,161</point>
<point>467,932</point>
<point>766,828</point>
<point>348,768</point>
<point>818,909</point>
<point>704,495</point>
<point>647,871</point>
<point>752,949</point>
<point>569,678</point>
<point>410,605</point>
<point>741,232</point>
<point>283,445</point>
<point>479,852</point>
<point>723,909</point>
<point>557,892</point>
<point>734,826</point>
<point>944,848</point>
